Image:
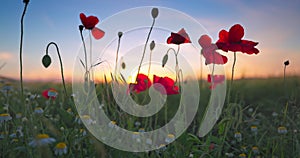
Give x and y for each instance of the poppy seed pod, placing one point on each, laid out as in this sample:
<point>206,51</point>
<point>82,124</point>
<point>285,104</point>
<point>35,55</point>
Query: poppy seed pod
<point>165,59</point>
<point>123,65</point>
<point>154,12</point>
<point>81,27</point>
<point>286,63</point>
<point>152,45</point>
<point>120,34</point>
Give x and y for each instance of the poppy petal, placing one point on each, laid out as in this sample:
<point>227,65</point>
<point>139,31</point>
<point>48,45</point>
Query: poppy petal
<point>236,33</point>
<point>88,22</point>
<point>45,94</point>
<point>179,38</point>
<point>223,36</point>
<point>232,41</point>
<point>97,33</point>
<point>217,78</point>
<point>183,33</point>
<point>204,41</point>
<point>143,83</point>
<point>82,17</point>
<point>211,56</point>
<point>168,85</point>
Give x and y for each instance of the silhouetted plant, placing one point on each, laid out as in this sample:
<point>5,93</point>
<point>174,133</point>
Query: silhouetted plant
<point>26,2</point>
<point>47,61</point>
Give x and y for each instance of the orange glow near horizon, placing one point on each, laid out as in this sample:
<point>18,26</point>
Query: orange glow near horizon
<point>241,71</point>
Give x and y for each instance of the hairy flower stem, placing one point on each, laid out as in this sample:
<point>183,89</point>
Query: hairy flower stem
<point>21,51</point>
<point>144,51</point>
<point>231,81</point>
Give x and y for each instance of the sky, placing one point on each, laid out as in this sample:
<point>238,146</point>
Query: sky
<point>274,24</point>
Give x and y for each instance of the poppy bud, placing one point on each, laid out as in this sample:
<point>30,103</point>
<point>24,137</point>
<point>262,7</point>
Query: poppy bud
<point>81,27</point>
<point>154,13</point>
<point>120,34</point>
<point>286,63</point>
<point>123,65</point>
<point>165,59</point>
<point>152,45</point>
<point>46,60</point>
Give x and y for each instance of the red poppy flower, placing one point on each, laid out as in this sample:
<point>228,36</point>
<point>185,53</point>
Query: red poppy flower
<point>217,79</point>
<point>50,93</point>
<point>179,38</point>
<point>209,51</point>
<point>211,146</point>
<point>89,23</point>
<point>232,41</point>
<point>143,83</point>
<point>168,85</point>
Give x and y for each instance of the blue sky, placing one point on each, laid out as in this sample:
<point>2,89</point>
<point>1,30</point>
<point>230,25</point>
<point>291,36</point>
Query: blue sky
<point>275,25</point>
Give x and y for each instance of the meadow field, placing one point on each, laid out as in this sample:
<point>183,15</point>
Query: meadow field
<point>262,120</point>
<point>131,112</point>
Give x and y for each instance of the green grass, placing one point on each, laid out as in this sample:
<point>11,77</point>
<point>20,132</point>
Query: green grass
<point>264,103</point>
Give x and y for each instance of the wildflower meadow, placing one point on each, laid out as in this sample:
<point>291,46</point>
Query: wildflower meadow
<point>169,107</point>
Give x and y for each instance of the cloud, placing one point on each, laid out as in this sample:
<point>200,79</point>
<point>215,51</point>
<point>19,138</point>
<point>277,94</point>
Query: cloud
<point>5,56</point>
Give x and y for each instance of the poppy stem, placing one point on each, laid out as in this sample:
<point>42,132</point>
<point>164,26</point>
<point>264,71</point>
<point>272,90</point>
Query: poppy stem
<point>176,59</point>
<point>21,51</point>
<point>232,71</point>
<point>84,49</point>
<point>284,83</point>
<point>232,75</point>
<point>201,70</point>
<point>117,55</point>
<point>213,71</point>
<point>177,65</point>
<point>91,56</point>
<point>145,48</point>
<point>61,65</point>
<point>87,73</point>
<point>149,63</point>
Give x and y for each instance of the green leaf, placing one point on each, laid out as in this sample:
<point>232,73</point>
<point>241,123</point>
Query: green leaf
<point>165,59</point>
<point>97,63</point>
<point>46,61</point>
<point>82,63</point>
<point>123,78</point>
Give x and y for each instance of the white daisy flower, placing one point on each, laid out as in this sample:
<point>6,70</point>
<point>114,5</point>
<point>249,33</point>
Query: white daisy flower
<point>38,110</point>
<point>41,140</point>
<point>170,138</point>
<point>5,117</point>
<point>60,149</point>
